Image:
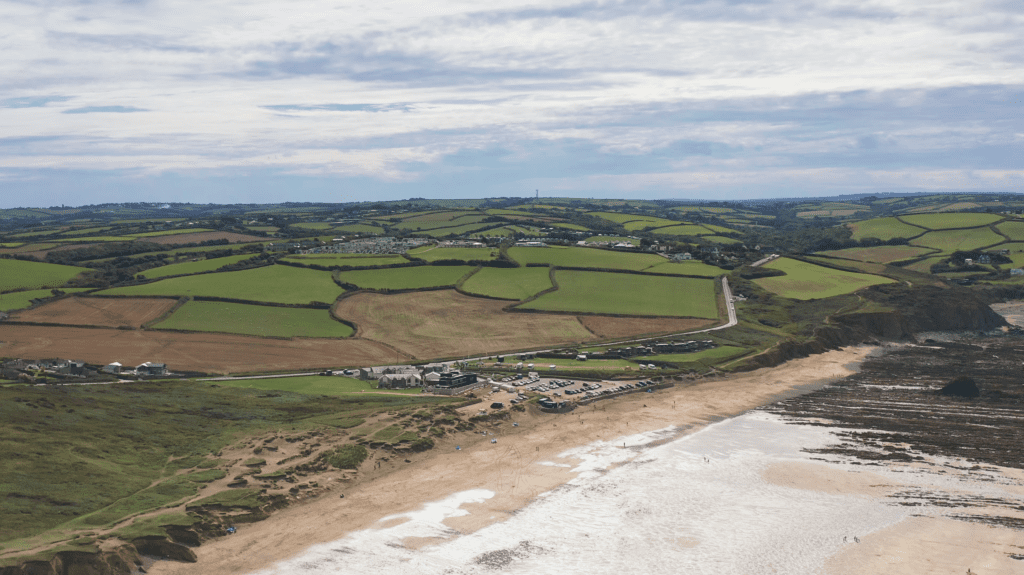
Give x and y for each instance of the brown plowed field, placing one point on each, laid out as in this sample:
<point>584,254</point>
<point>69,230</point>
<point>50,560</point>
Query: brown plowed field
<point>445,323</point>
<point>107,312</point>
<point>605,326</point>
<point>205,352</point>
<point>203,237</point>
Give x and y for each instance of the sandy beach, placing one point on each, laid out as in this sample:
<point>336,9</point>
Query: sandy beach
<point>524,463</point>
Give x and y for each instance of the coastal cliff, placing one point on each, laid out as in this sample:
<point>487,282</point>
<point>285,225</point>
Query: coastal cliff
<point>907,310</point>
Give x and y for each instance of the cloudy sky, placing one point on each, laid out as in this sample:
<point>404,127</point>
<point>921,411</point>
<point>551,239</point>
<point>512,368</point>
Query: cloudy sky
<point>305,100</point>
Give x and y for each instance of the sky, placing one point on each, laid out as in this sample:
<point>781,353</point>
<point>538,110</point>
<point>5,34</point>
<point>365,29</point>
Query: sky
<point>226,101</point>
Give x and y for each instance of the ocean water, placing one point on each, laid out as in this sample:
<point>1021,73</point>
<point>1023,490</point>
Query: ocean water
<point>693,504</point>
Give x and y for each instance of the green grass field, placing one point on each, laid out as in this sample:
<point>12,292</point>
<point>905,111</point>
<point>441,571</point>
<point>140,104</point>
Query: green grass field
<point>335,386</point>
<point>952,240</point>
<point>187,268</point>
<point>566,226</point>
<point>1013,230</point>
<point>223,317</point>
<point>314,225</point>
<point>18,274</point>
<point>683,230</point>
<point>630,294</point>
<point>429,222</point>
<point>616,239</point>
<point>707,356</point>
<point>359,229</point>
<point>584,258</point>
<point>432,254</point>
<point>883,229</point>
<point>508,283</point>
<point>879,254</point>
<point>1016,254</point>
<point>923,266</point>
<point>172,232</point>
<point>456,231</point>
<point>22,299</point>
<point>686,268</point>
<point>95,239</point>
<point>545,364</point>
<point>648,222</point>
<point>808,281</point>
<point>341,260</point>
<point>86,231</point>
<point>276,284</point>
<point>718,229</point>
<point>406,278</point>
<point>720,240</point>
<point>949,221</point>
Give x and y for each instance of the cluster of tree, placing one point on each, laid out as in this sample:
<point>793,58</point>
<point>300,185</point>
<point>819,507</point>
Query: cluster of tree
<point>103,250</point>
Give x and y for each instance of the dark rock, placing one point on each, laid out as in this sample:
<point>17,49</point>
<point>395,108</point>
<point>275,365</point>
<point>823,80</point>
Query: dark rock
<point>961,386</point>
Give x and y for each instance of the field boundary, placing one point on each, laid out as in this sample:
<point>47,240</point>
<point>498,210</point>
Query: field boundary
<point>147,280</point>
<point>901,220</point>
<point>311,305</point>
<point>181,301</point>
<point>554,282</point>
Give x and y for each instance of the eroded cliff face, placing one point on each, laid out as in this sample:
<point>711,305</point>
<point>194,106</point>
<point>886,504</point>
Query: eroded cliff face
<point>124,560</point>
<point>120,562</point>
<point>915,310</point>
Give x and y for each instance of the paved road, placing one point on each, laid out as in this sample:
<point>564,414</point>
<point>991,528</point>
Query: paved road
<point>763,261</point>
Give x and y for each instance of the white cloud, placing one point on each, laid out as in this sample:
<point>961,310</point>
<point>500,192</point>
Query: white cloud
<point>470,75</point>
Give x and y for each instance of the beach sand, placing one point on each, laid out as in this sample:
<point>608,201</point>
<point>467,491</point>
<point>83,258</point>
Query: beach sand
<point>512,469</point>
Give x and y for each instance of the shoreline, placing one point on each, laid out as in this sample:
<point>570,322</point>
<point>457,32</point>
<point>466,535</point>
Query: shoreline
<point>512,468</point>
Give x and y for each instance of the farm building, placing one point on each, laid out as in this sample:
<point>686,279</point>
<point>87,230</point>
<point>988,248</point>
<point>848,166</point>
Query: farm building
<point>374,373</point>
<point>399,381</point>
<point>150,368</point>
<point>71,367</point>
<point>113,367</point>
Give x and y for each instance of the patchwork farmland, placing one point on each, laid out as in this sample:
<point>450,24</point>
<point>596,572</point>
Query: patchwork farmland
<point>18,274</point>
<point>273,284</point>
<point>226,317</point>
<point>508,283</point>
<point>805,281</point>
<point>96,311</point>
<point>628,294</point>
